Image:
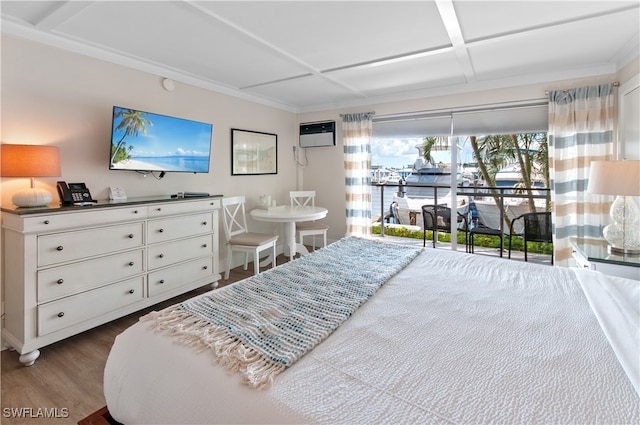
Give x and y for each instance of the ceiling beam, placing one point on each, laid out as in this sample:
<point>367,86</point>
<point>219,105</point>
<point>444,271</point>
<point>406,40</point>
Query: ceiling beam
<point>452,25</point>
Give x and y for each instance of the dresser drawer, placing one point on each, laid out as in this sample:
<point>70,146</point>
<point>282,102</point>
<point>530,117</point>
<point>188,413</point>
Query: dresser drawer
<point>85,217</point>
<point>163,230</point>
<point>57,282</point>
<point>179,275</point>
<point>69,311</point>
<point>161,255</point>
<point>60,247</point>
<point>184,207</point>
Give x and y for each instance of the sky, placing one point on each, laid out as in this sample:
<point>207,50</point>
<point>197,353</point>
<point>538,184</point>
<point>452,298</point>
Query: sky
<point>167,136</point>
<point>400,153</point>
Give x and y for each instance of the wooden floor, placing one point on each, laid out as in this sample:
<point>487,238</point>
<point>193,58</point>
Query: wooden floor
<point>66,380</point>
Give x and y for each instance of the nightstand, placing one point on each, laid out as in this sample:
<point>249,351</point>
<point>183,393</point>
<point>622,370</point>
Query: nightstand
<point>594,254</point>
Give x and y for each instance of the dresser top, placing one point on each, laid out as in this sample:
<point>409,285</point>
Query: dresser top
<point>103,203</point>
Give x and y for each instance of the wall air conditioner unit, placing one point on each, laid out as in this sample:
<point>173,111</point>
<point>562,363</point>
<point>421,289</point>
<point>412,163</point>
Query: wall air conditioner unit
<point>318,134</point>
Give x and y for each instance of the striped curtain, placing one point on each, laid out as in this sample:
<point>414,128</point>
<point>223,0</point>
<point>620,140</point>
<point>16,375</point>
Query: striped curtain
<point>581,130</point>
<point>356,137</point>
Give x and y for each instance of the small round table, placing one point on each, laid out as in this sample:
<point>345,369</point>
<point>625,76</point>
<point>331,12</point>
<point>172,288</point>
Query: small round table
<point>288,215</point>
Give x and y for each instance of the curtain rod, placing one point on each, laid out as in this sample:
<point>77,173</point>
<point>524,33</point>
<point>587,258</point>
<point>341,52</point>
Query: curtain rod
<point>615,84</point>
<point>372,113</point>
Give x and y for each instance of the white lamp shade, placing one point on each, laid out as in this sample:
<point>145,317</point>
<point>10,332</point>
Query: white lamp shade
<point>615,178</point>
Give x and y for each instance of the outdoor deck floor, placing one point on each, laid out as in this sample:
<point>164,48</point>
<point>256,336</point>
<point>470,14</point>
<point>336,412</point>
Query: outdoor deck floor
<point>494,252</point>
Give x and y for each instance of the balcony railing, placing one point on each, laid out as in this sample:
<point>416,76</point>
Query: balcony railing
<point>497,194</point>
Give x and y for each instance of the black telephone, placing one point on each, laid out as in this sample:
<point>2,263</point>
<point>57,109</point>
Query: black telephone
<point>74,193</point>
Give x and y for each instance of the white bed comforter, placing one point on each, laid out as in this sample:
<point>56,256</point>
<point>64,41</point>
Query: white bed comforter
<point>453,338</point>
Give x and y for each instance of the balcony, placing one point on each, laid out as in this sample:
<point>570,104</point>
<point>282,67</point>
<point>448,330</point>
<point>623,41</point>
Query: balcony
<point>492,207</point>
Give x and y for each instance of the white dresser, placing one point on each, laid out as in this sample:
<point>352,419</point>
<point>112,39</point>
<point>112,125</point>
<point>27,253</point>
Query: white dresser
<point>69,269</point>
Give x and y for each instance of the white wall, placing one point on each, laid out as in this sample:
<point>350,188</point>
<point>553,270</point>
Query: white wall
<point>50,96</point>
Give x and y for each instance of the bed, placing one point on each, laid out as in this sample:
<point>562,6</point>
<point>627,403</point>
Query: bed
<point>449,338</point>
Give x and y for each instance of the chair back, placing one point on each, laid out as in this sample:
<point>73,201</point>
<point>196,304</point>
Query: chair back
<point>394,213</point>
<point>488,214</point>
<point>514,211</point>
<point>233,216</point>
<point>537,227</point>
<point>439,217</point>
<point>302,198</point>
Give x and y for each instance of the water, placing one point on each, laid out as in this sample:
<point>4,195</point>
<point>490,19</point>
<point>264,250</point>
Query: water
<point>190,163</point>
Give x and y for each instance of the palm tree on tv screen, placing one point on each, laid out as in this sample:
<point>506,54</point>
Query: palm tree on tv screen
<point>132,123</point>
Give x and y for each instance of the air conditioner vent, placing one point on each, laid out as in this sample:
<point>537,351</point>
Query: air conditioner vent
<point>318,134</point>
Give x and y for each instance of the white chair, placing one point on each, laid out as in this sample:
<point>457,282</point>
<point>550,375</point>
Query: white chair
<point>308,228</point>
<point>240,239</point>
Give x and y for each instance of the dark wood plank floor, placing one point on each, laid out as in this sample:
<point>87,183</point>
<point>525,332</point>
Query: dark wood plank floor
<point>67,377</point>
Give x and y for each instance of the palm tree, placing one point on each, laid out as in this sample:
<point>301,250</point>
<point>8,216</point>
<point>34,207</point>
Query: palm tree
<point>132,123</point>
<point>433,143</point>
<point>493,152</point>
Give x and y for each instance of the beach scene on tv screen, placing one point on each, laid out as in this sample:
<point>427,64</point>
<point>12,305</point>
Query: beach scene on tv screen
<point>152,142</point>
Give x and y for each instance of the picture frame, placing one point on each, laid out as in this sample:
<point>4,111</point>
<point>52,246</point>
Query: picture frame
<point>253,152</point>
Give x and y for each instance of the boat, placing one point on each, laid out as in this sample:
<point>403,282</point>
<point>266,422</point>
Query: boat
<point>380,175</point>
<point>429,174</point>
<point>510,176</point>
<point>394,178</point>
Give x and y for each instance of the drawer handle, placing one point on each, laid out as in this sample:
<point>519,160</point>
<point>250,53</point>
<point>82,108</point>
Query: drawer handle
<point>204,223</point>
<point>158,209</point>
<point>46,222</point>
<point>130,236</point>
<point>161,256</point>
<point>131,263</point>
<point>60,281</point>
<point>60,248</point>
<point>204,245</point>
<point>160,230</point>
<point>205,267</point>
<point>161,281</point>
<point>135,211</point>
<point>61,314</point>
<point>131,291</point>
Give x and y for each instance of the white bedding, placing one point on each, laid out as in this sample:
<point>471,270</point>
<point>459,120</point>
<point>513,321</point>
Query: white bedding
<point>453,338</point>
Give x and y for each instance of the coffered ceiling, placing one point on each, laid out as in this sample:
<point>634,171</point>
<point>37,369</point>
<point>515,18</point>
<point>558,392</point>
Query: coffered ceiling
<point>305,56</point>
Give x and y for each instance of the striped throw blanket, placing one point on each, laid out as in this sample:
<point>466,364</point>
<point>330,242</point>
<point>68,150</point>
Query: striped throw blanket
<point>261,325</point>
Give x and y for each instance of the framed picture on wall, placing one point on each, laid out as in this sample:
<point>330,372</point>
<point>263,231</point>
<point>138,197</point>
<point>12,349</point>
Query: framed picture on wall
<point>253,152</point>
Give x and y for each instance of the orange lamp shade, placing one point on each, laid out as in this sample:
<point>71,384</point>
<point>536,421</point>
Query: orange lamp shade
<point>29,161</point>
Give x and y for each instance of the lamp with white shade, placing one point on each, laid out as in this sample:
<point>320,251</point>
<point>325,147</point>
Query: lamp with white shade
<point>622,179</point>
<point>30,161</point>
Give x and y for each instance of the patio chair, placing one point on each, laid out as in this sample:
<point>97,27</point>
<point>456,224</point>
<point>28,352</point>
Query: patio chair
<point>240,239</point>
<point>392,216</point>
<point>487,223</point>
<point>308,228</point>
<point>438,218</point>
<point>536,228</point>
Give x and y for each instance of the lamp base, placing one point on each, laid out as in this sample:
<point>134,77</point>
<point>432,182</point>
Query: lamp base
<point>623,235</point>
<point>622,251</point>
<point>33,197</point>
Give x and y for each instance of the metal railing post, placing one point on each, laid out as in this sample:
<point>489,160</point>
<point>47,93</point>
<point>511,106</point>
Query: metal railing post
<point>381,210</point>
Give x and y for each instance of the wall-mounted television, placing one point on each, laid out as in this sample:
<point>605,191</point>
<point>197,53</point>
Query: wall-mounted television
<point>147,142</point>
